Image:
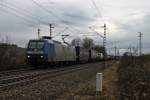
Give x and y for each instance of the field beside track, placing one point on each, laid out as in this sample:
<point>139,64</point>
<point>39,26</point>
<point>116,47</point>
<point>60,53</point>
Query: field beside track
<point>134,78</point>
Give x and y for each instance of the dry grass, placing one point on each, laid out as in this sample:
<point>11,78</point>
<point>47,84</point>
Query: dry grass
<point>131,72</point>
<point>86,90</point>
<point>11,56</point>
<point>109,84</point>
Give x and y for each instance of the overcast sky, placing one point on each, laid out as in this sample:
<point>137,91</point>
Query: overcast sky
<point>20,19</point>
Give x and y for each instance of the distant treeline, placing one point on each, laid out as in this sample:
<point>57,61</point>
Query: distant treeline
<point>11,56</point>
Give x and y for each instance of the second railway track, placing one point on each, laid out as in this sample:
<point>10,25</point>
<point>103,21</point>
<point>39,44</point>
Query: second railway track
<point>27,78</point>
<point>24,68</point>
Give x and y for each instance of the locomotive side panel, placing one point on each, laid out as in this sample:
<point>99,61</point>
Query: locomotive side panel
<point>71,55</point>
<point>50,52</point>
<point>64,53</point>
<point>59,52</point>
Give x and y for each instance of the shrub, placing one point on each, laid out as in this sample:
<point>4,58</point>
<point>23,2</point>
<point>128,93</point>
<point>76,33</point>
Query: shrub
<point>131,71</point>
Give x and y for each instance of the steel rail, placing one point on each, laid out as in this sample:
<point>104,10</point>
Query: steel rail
<point>31,77</point>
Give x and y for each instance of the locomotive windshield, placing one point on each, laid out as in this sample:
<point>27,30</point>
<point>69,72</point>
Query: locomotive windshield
<point>36,44</point>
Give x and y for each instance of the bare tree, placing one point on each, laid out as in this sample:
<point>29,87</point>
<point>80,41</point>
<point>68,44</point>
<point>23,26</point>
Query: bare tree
<point>100,49</point>
<point>76,42</point>
<point>87,43</point>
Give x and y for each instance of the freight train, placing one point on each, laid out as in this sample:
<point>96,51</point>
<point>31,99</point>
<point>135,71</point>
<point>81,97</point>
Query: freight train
<point>47,51</point>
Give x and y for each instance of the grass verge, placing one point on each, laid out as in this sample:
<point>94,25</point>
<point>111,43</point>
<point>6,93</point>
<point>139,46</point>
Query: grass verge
<point>86,90</point>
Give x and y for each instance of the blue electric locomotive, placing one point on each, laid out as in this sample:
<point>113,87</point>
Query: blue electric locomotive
<point>49,51</point>
<point>37,51</point>
<point>43,51</point>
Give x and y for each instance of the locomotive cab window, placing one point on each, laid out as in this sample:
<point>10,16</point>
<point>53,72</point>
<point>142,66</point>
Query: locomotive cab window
<point>32,45</point>
<point>40,45</point>
<point>36,44</point>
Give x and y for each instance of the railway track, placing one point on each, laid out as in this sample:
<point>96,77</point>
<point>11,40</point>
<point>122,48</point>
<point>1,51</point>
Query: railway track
<point>15,71</point>
<point>28,78</point>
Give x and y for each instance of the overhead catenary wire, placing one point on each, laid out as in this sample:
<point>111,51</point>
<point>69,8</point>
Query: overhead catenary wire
<point>24,13</point>
<point>17,14</point>
<point>11,10</point>
<point>48,11</point>
<point>27,13</point>
<point>55,15</point>
<point>96,32</point>
<point>27,21</point>
<point>97,10</point>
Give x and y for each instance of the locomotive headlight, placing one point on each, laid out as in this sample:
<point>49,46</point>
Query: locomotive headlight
<point>42,57</point>
<point>28,56</point>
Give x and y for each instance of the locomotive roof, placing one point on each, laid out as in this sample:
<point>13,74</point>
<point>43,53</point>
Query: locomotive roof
<point>49,41</point>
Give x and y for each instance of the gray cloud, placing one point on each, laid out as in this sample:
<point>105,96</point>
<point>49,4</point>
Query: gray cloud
<point>23,18</point>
